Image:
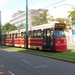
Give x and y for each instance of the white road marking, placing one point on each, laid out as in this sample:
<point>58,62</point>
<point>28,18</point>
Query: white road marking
<point>37,65</point>
<point>11,73</point>
<point>27,63</point>
<point>41,66</point>
<point>2,66</point>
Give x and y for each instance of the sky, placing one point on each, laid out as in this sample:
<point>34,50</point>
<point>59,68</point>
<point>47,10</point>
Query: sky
<point>9,7</point>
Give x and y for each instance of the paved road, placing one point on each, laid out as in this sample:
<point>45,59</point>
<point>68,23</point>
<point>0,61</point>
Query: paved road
<point>26,64</point>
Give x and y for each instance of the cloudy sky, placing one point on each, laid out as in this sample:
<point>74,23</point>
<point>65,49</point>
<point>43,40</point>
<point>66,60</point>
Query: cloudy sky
<point>8,7</point>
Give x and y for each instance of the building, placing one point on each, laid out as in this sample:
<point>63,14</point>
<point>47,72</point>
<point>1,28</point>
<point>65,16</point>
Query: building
<point>19,18</point>
<point>61,8</point>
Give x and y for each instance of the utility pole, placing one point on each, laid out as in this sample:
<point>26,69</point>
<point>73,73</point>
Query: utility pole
<point>0,27</point>
<point>26,24</point>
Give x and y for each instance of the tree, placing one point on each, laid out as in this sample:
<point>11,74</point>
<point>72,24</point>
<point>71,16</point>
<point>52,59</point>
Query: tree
<point>67,21</point>
<point>51,19</point>
<point>20,26</point>
<point>72,16</point>
<point>41,18</point>
<point>60,19</point>
<point>8,27</point>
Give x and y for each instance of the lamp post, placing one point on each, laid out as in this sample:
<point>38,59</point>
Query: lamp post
<point>0,27</point>
<point>26,24</point>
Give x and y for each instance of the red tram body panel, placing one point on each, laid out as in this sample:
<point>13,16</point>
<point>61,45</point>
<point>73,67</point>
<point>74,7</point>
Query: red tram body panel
<point>60,44</point>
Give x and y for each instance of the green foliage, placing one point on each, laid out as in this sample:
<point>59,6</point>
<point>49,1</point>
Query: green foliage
<point>40,19</point>
<point>51,18</point>
<point>8,27</point>
<point>64,20</point>
<point>20,26</point>
<point>60,19</point>
<point>72,16</point>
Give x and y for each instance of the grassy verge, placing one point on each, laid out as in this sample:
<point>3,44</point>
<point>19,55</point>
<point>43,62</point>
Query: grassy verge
<point>66,55</point>
<point>12,48</point>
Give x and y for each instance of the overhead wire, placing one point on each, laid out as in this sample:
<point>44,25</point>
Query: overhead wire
<point>32,2</point>
<point>60,6</point>
<point>54,4</point>
<point>56,7</point>
<point>48,5</point>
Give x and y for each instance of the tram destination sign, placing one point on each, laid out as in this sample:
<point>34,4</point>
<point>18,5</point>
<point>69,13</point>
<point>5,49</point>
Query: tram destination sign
<point>60,25</point>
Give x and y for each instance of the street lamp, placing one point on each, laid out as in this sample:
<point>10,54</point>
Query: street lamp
<point>0,27</point>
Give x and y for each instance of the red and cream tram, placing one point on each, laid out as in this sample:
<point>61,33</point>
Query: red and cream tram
<point>44,37</point>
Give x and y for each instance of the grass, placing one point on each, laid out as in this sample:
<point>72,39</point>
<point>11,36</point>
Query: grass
<point>66,55</point>
<point>12,48</point>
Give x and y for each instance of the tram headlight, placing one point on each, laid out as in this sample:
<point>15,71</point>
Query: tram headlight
<point>64,41</point>
<point>58,42</point>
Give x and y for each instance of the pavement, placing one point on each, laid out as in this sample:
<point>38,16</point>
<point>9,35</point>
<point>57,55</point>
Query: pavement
<point>71,46</point>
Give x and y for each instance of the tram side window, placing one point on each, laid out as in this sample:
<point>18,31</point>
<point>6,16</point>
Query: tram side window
<point>15,35</point>
<point>39,33</point>
<point>34,33</point>
<point>48,32</point>
<point>44,33</point>
<point>22,33</point>
<point>30,34</point>
<point>10,36</point>
<point>48,35</point>
<point>51,33</point>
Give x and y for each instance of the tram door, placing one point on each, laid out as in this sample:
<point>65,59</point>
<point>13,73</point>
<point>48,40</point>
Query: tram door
<point>47,39</point>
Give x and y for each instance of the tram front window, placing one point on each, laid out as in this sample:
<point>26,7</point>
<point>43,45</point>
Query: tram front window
<point>59,33</point>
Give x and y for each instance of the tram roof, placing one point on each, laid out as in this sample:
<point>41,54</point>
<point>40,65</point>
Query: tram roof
<point>44,26</point>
